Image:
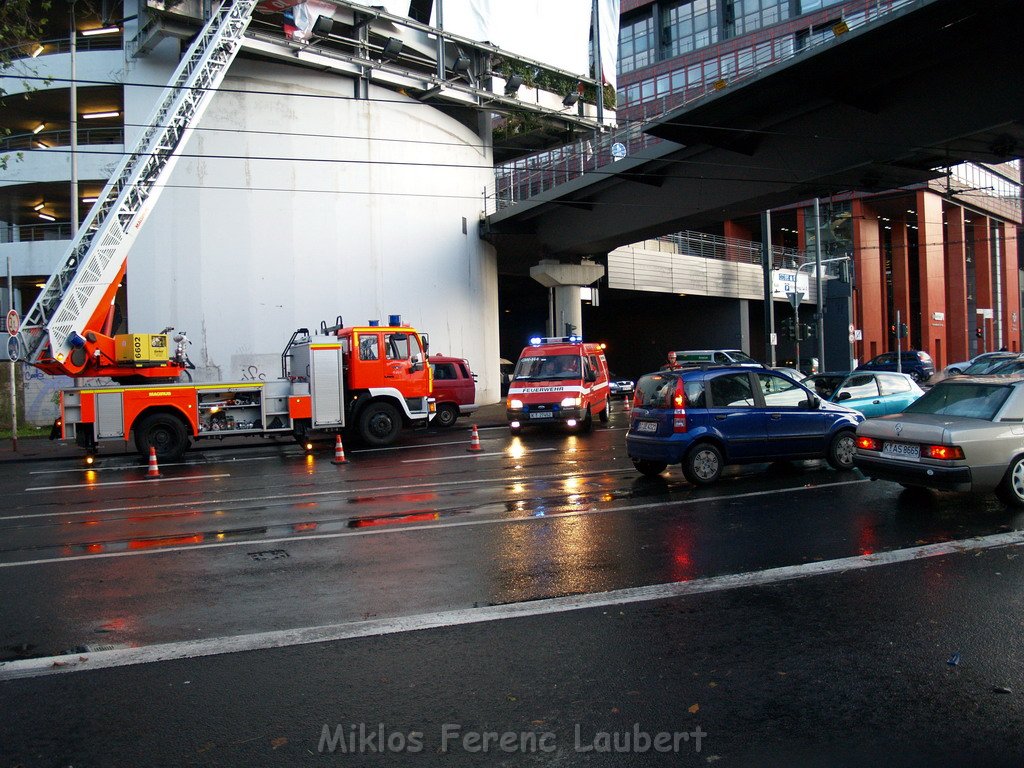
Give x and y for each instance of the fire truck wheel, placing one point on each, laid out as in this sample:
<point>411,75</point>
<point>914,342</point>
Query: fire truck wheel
<point>379,424</point>
<point>447,413</point>
<point>603,415</point>
<point>164,432</point>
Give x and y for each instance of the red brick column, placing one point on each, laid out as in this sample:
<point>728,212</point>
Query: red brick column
<point>958,325</point>
<point>979,230</point>
<point>1011,288</point>
<point>870,299</point>
<point>931,277</point>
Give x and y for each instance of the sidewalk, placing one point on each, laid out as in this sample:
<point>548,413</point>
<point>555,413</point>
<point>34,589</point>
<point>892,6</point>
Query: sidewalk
<point>42,448</point>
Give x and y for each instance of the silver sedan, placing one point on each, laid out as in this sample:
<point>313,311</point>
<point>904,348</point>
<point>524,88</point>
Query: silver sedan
<point>964,434</point>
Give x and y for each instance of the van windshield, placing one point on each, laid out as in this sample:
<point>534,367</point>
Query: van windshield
<point>548,368</point>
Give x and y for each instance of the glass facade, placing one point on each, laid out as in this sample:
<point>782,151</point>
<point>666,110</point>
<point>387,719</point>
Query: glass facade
<point>744,16</point>
<point>636,44</point>
<point>688,26</point>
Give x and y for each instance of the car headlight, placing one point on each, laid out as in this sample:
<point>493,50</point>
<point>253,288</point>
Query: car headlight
<point>572,402</point>
<point>515,405</point>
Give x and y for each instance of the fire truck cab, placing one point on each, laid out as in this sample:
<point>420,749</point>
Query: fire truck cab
<point>561,380</point>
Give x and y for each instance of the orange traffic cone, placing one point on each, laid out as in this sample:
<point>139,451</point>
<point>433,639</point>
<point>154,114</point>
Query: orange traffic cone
<point>474,444</point>
<point>339,452</point>
<point>154,469</point>
<point>628,402</point>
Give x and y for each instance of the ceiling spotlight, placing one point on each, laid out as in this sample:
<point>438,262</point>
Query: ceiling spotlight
<point>46,217</point>
<point>323,26</point>
<point>570,99</point>
<point>100,31</point>
<point>37,50</point>
<point>392,48</point>
<point>38,128</point>
<point>99,115</point>
<point>88,199</point>
<point>461,65</point>
<point>512,84</point>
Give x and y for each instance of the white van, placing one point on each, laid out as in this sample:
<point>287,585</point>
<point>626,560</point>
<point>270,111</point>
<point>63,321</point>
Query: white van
<point>716,357</point>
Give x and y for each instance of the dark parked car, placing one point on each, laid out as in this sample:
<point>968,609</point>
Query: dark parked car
<point>916,364</point>
<point>619,386</point>
<point>706,418</point>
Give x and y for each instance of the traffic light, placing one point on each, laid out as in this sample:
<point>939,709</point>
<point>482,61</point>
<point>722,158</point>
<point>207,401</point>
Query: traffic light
<point>810,330</point>
<point>978,332</point>
<point>787,328</point>
<point>903,330</point>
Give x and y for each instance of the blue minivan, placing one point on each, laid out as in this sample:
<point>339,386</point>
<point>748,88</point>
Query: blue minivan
<point>705,418</point>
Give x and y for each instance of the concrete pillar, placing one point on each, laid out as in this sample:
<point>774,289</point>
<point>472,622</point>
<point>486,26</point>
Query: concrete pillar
<point>566,280</point>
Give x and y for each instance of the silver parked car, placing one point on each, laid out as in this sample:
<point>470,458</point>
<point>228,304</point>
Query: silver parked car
<point>964,434</point>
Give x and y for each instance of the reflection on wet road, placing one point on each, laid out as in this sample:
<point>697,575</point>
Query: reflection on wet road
<point>277,539</point>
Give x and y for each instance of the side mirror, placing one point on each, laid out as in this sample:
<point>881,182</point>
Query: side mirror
<point>844,396</point>
<point>417,363</point>
<point>811,403</point>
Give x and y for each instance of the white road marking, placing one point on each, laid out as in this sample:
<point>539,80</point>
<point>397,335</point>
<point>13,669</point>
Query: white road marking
<point>188,649</point>
<point>128,482</point>
<point>475,455</point>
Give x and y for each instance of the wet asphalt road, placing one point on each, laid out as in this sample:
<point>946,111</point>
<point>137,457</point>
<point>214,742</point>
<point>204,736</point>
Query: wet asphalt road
<point>836,668</point>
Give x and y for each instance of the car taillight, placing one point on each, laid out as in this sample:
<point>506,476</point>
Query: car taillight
<point>679,408</point>
<point>868,444</point>
<point>943,452</point>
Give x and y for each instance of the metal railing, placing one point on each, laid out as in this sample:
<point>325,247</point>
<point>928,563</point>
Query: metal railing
<point>83,44</point>
<point>46,139</point>
<point>731,249</point>
<point>727,62</point>
<point>31,233</point>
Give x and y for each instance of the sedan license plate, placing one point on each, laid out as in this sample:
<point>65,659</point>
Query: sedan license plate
<point>901,450</point>
<point>647,426</point>
<point>542,415</point>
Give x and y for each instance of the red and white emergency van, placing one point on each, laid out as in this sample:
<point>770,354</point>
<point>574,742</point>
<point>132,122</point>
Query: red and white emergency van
<point>560,381</point>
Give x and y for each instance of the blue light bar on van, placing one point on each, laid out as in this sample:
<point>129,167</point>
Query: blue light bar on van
<point>536,341</point>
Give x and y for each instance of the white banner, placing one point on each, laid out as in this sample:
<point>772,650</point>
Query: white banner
<point>555,33</point>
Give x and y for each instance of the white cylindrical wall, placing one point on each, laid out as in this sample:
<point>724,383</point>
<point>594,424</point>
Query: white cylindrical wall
<point>295,203</point>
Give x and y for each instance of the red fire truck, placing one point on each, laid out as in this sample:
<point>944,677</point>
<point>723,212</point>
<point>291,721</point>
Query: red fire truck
<point>368,381</point>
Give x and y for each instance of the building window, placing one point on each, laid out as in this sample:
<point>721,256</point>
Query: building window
<point>744,16</point>
<point>687,26</point>
<point>636,44</point>
<point>806,6</point>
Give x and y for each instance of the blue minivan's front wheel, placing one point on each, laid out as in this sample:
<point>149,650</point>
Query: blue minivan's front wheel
<point>702,465</point>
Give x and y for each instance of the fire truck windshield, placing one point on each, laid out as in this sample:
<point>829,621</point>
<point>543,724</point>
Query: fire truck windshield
<point>548,367</point>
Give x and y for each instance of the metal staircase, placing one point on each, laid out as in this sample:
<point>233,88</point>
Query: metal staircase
<point>52,327</point>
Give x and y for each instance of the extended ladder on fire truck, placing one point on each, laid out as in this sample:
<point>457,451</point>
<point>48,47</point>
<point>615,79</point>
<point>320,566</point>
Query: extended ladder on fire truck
<point>59,333</point>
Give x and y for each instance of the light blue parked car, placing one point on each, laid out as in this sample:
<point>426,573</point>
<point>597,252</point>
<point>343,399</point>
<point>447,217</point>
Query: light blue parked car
<point>873,393</point>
